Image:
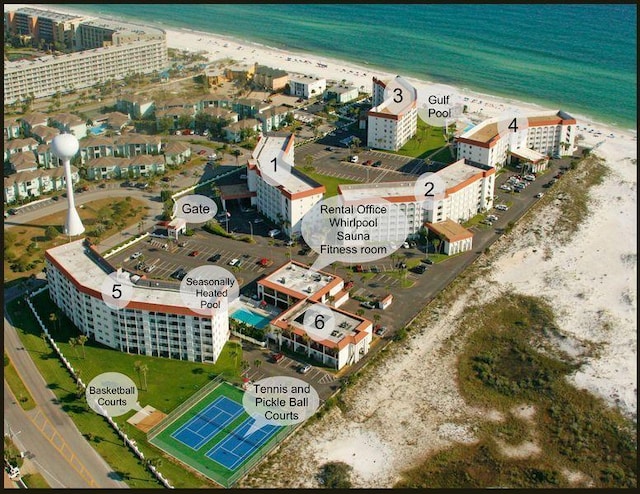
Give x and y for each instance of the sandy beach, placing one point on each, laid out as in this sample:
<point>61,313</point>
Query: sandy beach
<point>590,281</point>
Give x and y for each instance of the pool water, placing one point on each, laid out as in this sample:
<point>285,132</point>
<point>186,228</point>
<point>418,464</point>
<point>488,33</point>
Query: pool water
<point>252,318</point>
<point>98,130</point>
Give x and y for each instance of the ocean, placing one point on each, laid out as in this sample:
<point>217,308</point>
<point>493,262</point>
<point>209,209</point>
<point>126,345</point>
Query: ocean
<point>580,57</point>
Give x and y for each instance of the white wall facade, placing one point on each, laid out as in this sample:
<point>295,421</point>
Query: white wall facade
<point>144,332</point>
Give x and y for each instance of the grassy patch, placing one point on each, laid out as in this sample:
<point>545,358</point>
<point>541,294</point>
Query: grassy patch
<point>573,189</point>
<point>35,481</point>
<point>427,140</point>
<point>104,439</point>
<point>330,183</point>
<point>444,155</point>
<point>474,221</point>
<point>506,362</point>
<point>18,388</point>
<point>164,390</point>
<point>12,453</point>
<point>24,245</point>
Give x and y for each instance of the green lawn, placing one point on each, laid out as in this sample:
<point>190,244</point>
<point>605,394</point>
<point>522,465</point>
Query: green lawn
<point>35,481</point>
<point>444,155</point>
<point>169,383</point>
<point>18,388</point>
<point>427,140</point>
<point>330,183</point>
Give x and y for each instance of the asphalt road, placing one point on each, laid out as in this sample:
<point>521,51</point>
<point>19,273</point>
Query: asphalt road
<point>47,432</point>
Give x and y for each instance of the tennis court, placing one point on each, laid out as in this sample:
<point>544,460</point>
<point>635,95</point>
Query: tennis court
<point>208,422</point>
<point>208,431</point>
<point>236,448</point>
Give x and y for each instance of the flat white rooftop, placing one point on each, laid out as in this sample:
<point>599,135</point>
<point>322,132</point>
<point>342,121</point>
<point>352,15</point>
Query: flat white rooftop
<point>452,175</point>
<point>273,145</point>
<point>344,324</point>
<point>74,260</point>
<point>300,279</point>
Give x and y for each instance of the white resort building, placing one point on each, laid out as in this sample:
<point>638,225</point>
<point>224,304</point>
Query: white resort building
<point>110,50</point>
<point>154,323</point>
<point>287,203</point>
<point>296,288</point>
<point>468,190</point>
<point>386,129</point>
<point>547,134</point>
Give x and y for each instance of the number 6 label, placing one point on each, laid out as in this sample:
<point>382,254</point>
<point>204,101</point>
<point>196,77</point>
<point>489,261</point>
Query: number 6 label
<point>319,323</point>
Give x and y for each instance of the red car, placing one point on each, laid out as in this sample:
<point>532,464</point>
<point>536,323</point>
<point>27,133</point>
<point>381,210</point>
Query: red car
<point>194,253</point>
<point>277,357</point>
<point>202,151</point>
<point>367,163</point>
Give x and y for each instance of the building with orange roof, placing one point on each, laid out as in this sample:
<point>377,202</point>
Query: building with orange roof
<point>296,288</point>
<point>494,142</point>
<point>467,190</point>
<point>455,237</point>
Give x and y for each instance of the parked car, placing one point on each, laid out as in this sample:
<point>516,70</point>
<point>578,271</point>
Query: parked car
<point>328,148</point>
<point>277,357</point>
<point>166,179</point>
<point>406,245</point>
<point>258,220</point>
<point>234,262</point>
<point>214,258</point>
<point>55,198</point>
<point>273,233</point>
<point>377,164</point>
<point>419,269</point>
<point>353,159</point>
<point>492,217</point>
<point>401,265</point>
<point>505,187</point>
<point>427,261</point>
<point>501,207</point>
<point>380,330</point>
<point>194,253</point>
<point>368,163</point>
<point>358,268</point>
<point>530,178</point>
<point>368,305</point>
<point>135,255</point>
<point>539,195</point>
<point>303,369</point>
<point>179,274</point>
<point>201,152</point>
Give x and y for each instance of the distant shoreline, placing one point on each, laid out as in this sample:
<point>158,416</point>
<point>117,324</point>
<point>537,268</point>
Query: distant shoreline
<point>180,42</point>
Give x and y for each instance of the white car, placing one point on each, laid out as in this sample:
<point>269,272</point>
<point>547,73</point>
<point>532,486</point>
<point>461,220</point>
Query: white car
<point>405,245</point>
<point>530,178</point>
<point>233,262</point>
<point>492,217</point>
<point>501,207</point>
<point>135,255</point>
<point>274,232</point>
<point>539,195</point>
<point>353,159</point>
<point>258,220</point>
<point>505,187</point>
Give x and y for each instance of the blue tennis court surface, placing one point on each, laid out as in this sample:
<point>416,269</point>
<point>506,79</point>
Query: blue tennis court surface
<point>236,448</point>
<point>208,422</point>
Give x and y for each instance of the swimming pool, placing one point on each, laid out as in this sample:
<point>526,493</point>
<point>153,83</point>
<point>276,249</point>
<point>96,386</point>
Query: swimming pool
<point>98,129</point>
<point>247,316</point>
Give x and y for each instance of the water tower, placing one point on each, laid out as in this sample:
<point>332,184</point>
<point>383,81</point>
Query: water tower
<point>65,147</point>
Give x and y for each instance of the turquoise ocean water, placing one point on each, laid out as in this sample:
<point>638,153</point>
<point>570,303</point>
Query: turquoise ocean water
<point>582,58</point>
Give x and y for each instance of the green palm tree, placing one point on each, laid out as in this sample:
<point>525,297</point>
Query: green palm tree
<point>73,343</point>
<point>257,362</point>
<point>137,365</point>
<point>144,369</point>
<point>245,366</point>
<point>82,339</point>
